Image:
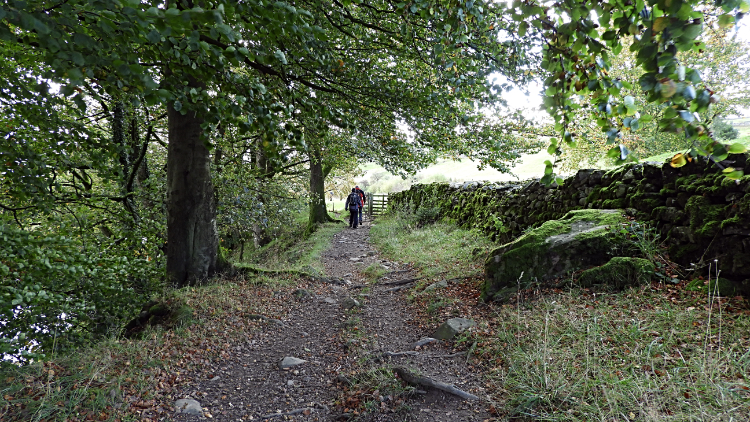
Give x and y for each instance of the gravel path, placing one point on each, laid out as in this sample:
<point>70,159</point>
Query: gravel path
<point>251,386</point>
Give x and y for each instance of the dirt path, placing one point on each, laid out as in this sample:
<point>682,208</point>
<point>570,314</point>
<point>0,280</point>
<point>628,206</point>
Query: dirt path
<point>251,386</point>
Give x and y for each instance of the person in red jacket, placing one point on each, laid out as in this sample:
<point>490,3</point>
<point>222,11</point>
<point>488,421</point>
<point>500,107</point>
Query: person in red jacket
<point>363,200</point>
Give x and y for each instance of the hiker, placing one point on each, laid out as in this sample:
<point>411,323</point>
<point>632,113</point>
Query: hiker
<point>363,200</point>
<point>353,204</point>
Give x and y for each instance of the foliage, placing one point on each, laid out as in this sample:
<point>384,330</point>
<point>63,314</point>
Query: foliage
<point>58,291</point>
<point>291,251</point>
<point>580,40</point>
<point>720,63</point>
<point>567,356</point>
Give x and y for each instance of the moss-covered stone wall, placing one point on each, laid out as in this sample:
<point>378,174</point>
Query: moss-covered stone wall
<point>699,213</point>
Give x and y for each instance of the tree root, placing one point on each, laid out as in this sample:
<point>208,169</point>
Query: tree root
<point>250,270</point>
<point>401,282</point>
<point>303,410</point>
<point>416,380</point>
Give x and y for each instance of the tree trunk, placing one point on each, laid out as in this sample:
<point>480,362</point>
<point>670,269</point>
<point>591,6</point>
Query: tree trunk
<point>192,237</point>
<point>260,235</point>
<point>318,172</point>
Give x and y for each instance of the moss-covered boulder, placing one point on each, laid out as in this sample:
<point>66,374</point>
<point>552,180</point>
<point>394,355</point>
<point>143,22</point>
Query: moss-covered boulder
<point>619,272</point>
<point>580,239</point>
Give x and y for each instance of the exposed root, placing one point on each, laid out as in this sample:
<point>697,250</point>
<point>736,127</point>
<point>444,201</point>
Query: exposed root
<point>416,380</point>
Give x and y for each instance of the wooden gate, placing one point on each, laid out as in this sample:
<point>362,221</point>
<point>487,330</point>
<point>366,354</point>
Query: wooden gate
<point>376,204</point>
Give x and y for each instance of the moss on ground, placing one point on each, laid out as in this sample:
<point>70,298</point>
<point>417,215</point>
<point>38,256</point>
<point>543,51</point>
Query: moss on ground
<point>619,272</point>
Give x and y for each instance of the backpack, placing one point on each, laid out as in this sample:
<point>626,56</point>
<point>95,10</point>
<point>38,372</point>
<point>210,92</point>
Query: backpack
<point>353,201</point>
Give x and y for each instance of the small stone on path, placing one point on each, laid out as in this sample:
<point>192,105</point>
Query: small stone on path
<point>350,303</point>
<point>453,326</point>
<point>290,362</point>
<point>188,407</point>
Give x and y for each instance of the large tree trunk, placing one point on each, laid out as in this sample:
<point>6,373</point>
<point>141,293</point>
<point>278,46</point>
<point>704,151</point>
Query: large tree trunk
<point>192,237</point>
<point>318,213</point>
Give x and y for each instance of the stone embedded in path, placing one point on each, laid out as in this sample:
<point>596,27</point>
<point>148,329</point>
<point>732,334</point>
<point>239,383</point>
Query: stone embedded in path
<point>439,285</point>
<point>350,303</point>
<point>354,259</point>
<point>302,294</point>
<point>188,407</point>
<point>329,300</point>
<point>290,362</point>
<point>453,326</point>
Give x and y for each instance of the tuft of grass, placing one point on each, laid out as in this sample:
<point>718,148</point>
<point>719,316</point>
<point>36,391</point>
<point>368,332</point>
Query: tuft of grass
<point>373,272</point>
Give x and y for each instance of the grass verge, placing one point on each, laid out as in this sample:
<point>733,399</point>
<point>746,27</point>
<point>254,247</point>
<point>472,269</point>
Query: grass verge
<point>659,352</point>
<point>292,251</point>
<point>439,248</point>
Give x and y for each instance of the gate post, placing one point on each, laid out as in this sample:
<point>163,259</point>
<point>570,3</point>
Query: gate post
<point>369,205</point>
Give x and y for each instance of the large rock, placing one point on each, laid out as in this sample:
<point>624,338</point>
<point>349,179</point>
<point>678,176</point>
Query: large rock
<point>580,239</point>
<point>619,272</point>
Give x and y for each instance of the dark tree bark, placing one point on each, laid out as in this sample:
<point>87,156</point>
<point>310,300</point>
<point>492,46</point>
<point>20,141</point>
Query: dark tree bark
<point>119,138</point>
<point>260,235</point>
<point>318,213</point>
<point>192,237</point>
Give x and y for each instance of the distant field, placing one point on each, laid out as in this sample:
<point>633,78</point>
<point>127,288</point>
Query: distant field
<point>377,180</point>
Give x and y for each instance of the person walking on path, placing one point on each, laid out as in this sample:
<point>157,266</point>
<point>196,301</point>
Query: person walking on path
<point>362,200</point>
<point>353,204</point>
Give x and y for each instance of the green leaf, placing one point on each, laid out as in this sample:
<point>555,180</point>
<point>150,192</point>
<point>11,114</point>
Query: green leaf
<point>280,56</point>
<point>733,174</point>
<point>726,20</point>
<point>737,148</point>
<point>177,105</point>
<point>522,28</point>
<point>687,116</point>
<point>154,36</point>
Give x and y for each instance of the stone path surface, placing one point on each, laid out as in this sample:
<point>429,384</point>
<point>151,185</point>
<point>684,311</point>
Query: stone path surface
<point>251,385</point>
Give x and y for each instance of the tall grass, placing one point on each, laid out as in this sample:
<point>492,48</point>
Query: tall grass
<point>623,357</point>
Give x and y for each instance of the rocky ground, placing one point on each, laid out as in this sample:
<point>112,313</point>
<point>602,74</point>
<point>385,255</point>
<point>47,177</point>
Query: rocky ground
<point>309,365</point>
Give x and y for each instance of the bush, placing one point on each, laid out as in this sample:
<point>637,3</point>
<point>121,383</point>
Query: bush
<point>54,293</point>
<point>724,130</point>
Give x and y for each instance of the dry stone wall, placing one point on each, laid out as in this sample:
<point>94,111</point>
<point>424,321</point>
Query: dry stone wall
<point>701,215</point>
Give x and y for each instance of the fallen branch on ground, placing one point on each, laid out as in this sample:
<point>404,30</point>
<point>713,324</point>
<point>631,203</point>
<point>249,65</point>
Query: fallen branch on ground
<point>452,355</point>
<point>416,380</point>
